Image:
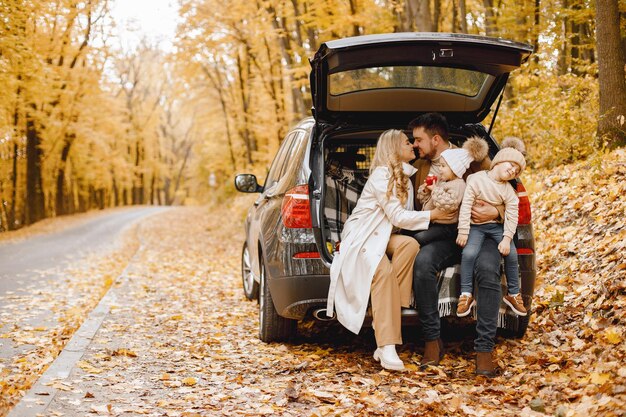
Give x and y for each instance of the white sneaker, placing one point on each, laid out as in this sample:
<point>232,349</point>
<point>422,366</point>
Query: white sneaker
<point>388,358</point>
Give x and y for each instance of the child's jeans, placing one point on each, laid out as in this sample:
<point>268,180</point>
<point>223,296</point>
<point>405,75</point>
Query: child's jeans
<point>477,235</point>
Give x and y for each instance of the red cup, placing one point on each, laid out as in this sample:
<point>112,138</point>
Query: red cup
<point>430,180</point>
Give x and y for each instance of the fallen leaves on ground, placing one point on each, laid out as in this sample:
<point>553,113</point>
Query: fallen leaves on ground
<point>62,298</point>
<point>182,312</point>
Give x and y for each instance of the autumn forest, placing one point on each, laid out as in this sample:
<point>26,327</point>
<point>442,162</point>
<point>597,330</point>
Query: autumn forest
<point>86,123</point>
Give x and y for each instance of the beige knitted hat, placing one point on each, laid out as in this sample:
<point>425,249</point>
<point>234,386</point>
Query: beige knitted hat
<point>459,159</point>
<point>512,150</point>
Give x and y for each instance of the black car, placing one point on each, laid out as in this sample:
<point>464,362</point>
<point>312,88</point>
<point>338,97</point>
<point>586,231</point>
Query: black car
<point>362,86</point>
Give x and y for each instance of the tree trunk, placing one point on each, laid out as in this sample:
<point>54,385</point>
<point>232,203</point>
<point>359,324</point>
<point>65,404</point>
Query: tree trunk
<point>61,207</point>
<point>463,13</point>
<point>564,49</point>
<point>582,51</point>
<point>490,18</point>
<point>216,80</point>
<point>284,44</point>
<point>536,30</point>
<point>356,29</point>
<point>575,47</point>
<point>182,168</point>
<point>166,190</point>
<point>418,15</point>
<point>152,190</point>
<point>4,216</point>
<point>611,126</point>
<point>12,214</point>
<point>116,198</point>
<point>622,18</point>
<point>274,86</point>
<point>247,137</point>
<point>437,15</point>
<point>138,181</point>
<point>35,202</point>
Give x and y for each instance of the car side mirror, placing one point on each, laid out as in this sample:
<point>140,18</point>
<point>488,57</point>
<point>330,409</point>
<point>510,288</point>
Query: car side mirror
<point>247,183</point>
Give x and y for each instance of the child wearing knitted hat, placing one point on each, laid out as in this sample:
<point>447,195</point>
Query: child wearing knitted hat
<point>446,193</point>
<point>493,187</point>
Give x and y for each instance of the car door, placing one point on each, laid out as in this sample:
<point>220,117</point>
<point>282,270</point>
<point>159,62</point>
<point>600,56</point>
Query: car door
<point>268,204</point>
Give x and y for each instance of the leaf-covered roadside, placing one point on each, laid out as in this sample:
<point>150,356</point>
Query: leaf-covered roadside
<point>62,298</point>
<point>569,363</point>
<point>182,341</point>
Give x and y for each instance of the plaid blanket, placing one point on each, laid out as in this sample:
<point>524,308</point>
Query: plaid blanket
<point>343,188</point>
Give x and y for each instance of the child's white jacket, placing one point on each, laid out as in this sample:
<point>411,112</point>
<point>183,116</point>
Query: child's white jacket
<point>364,241</point>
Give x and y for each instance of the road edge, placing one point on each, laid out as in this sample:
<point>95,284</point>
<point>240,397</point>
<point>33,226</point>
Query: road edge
<point>39,397</point>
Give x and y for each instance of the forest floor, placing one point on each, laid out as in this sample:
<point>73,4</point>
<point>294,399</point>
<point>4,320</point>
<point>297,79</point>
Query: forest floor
<point>182,340</point>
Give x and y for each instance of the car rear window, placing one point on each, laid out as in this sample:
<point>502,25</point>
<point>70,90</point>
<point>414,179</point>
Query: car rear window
<point>453,80</point>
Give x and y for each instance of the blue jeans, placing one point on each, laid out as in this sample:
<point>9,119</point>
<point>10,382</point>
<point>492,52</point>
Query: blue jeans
<point>440,254</point>
<point>477,235</point>
<point>431,259</point>
<point>488,296</point>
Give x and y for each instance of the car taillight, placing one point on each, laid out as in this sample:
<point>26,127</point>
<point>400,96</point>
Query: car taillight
<point>296,209</point>
<point>524,205</point>
<point>306,255</point>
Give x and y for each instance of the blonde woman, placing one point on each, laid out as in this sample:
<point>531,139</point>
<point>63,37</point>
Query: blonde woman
<point>373,258</point>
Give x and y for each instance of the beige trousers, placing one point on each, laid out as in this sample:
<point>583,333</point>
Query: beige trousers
<point>391,289</point>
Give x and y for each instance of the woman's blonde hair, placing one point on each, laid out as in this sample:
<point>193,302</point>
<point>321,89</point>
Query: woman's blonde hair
<point>387,155</point>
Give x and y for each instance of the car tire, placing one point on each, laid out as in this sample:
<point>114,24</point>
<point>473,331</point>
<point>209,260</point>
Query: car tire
<point>250,286</point>
<point>272,327</point>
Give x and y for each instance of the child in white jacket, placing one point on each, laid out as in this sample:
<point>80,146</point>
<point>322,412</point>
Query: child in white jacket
<point>493,187</point>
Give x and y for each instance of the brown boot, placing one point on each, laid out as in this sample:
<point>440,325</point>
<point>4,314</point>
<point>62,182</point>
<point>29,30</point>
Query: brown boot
<point>485,365</point>
<point>433,353</point>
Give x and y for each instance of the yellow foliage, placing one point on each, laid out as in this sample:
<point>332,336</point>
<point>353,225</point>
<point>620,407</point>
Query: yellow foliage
<point>556,117</point>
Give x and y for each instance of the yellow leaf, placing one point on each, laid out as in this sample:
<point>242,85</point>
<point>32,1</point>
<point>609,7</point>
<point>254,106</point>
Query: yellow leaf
<point>599,379</point>
<point>124,352</point>
<point>190,381</point>
<point>612,336</point>
<point>411,367</point>
<point>89,368</point>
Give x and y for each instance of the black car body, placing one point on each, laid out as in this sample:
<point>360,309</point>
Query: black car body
<point>362,86</point>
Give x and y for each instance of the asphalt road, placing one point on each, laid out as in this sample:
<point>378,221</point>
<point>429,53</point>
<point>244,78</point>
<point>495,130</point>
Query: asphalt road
<point>28,266</point>
<point>21,261</point>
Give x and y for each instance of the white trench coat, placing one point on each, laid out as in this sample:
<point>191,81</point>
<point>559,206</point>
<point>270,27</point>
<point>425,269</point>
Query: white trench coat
<point>364,241</point>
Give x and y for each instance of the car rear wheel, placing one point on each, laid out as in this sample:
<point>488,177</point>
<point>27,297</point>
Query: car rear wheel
<point>250,286</point>
<point>272,327</point>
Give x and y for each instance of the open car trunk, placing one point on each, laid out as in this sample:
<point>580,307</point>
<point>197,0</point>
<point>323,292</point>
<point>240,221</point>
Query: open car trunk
<point>391,78</point>
<point>347,158</point>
